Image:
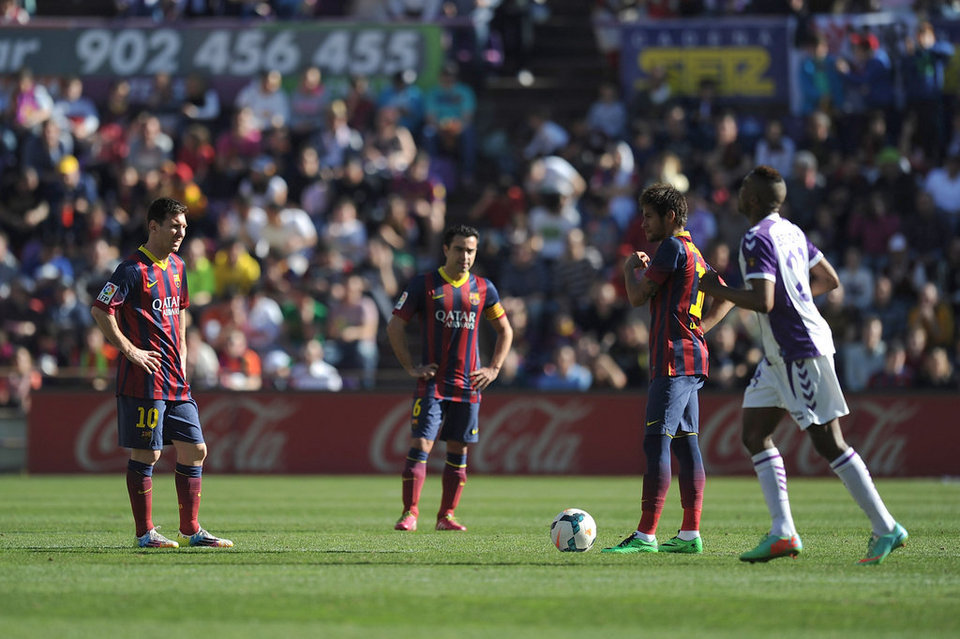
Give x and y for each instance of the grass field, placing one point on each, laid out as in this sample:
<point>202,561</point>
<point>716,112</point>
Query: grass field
<point>316,556</point>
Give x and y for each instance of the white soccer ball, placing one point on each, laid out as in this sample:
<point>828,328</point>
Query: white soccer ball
<point>573,530</point>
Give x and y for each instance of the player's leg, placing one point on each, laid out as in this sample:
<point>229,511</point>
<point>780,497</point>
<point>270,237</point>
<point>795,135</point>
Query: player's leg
<point>691,476</point>
<point>138,422</point>
<point>460,428</point>
<point>425,419</point>
<point>887,535</point>
<point>782,540</point>
<point>661,421</point>
<point>183,427</point>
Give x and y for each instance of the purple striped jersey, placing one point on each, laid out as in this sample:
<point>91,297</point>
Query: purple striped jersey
<point>449,312</point>
<point>146,295</point>
<point>677,345</point>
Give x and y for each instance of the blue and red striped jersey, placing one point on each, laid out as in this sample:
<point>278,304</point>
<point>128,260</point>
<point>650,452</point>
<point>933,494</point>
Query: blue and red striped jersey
<point>449,312</point>
<point>677,345</point>
<point>146,295</point>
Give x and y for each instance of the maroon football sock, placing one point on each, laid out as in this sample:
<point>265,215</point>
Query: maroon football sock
<point>454,479</point>
<point>656,482</point>
<point>414,474</point>
<point>691,479</point>
<point>189,479</point>
<point>140,489</point>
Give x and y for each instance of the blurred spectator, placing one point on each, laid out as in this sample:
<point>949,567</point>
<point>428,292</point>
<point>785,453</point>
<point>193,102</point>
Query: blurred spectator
<point>864,358</point>
<point>924,70</point>
<point>150,147</point>
<point>551,221</point>
<point>77,113</point>
<point>200,272</point>
<point>307,104</point>
<point>607,115</point>
<point>729,157</point>
<point>891,312</point>
<point>390,147</point>
<point>943,185</point>
<point>937,371</point>
<point>933,315</point>
<point>563,373</point>
<point>288,234</point>
<point>264,320</point>
<point>337,141</point>
<point>869,84</point>
<point>236,148</point>
<point>871,227</point>
<point>856,279</point>
<point>360,104</point>
<point>352,334</point>
<point>312,372</point>
<point>30,105</point>
<point>201,103</point>
<point>203,366</point>
<point>11,13</point>
<point>44,152</point>
<point>234,268</point>
<point>346,232</point>
<point>364,189</point>
<point>266,100</point>
<point>547,137</point>
<point>406,97</point>
<point>575,271</point>
<point>776,149</point>
<point>448,114</point>
<point>821,86</point>
<point>17,386</point>
<point>240,366</point>
<point>895,372</point>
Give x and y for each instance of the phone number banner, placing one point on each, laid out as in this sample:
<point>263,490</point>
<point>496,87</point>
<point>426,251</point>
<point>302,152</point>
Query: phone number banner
<point>747,57</point>
<point>225,50</point>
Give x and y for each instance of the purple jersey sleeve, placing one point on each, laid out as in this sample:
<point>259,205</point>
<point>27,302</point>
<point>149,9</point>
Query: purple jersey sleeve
<point>759,257</point>
<point>813,253</point>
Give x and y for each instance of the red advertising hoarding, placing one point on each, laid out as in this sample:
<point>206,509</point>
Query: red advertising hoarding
<point>593,434</point>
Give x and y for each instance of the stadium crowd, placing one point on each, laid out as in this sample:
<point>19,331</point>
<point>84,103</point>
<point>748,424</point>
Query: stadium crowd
<point>311,208</point>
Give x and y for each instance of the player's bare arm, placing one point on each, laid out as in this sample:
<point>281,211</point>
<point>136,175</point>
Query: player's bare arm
<point>758,297</point>
<point>397,333</point>
<point>639,291</point>
<point>823,278</point>
<point>147,360</point>
<point>715,314</point>
<point>484,376</point>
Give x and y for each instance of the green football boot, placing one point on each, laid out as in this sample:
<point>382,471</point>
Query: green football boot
<point>633,545</point>
<point>879,547</point>
<point>681,546</point>
<point>771,547</point>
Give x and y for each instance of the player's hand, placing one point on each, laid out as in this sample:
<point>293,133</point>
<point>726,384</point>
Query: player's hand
<point>637,259</point>
<point>709,282</point>
<point>147,360</point>
<point>483,377</point>
<point>424,371</point>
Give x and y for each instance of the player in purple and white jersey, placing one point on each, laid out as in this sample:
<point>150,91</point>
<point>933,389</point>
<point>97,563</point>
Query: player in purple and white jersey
<point>784,272</point>
<point>141,310</point>
<point>450,303</point>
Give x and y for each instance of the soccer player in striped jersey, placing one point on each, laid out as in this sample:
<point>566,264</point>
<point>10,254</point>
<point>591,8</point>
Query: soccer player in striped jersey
<point>449,303</point>
<point>785,271</point>
<point>678,367</point>
<point>141,311</point>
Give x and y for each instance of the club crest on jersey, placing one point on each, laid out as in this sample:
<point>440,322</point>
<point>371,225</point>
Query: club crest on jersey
<point>474,299</point>
<point>176,279</point>
<point>107,293</point>
<point>403,298</point>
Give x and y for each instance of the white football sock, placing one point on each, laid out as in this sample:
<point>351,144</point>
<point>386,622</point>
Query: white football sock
<point>645,537</point>
<point>773,482</point>
<point>851,470</point>
<point>688,535</point>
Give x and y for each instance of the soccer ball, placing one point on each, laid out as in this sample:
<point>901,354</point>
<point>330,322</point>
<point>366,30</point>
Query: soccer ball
<point>573,530</point>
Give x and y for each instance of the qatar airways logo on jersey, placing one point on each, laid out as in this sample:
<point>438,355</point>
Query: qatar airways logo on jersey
<point>167,305</point>
<point>457,319</point>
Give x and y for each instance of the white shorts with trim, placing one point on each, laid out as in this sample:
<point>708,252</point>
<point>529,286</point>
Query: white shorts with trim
<point>807,388</point>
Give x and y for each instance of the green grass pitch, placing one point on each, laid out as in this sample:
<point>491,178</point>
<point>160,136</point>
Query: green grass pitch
<point>317,557</point>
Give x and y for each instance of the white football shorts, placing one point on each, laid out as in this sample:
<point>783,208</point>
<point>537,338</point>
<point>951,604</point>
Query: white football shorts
<point>807,388</point>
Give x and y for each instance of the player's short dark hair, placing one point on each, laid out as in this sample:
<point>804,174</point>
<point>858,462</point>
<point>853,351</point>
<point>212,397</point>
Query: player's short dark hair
<point>768,185</point>
<point>664,198</point>
<point>164,207</point>
<point>462,230</point>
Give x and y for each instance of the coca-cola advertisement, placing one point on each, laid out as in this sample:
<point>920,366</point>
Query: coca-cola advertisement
<point>537,433</point>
